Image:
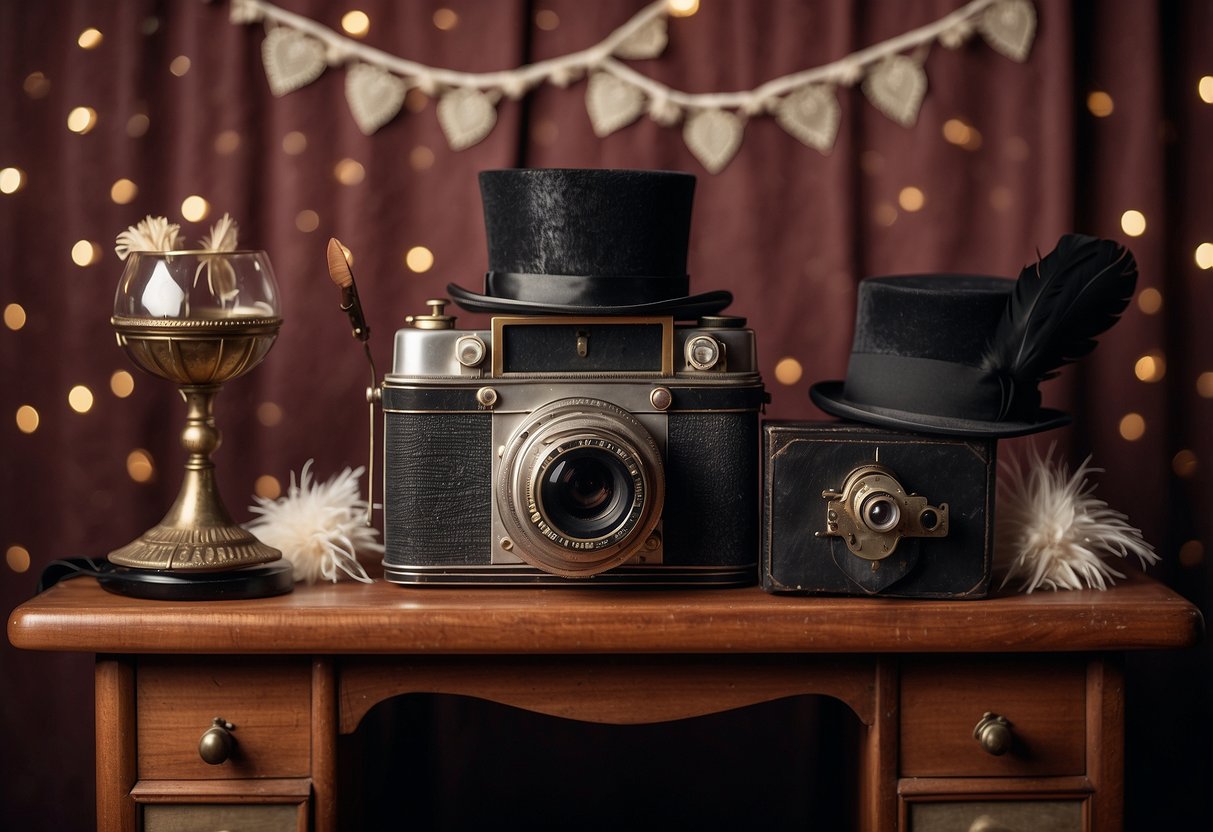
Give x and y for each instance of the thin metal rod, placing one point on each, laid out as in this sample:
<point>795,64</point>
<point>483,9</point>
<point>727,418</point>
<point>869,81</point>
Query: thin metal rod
<point>370,463</point>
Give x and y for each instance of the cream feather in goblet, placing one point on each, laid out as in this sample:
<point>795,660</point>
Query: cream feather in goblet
<point>197,319</point>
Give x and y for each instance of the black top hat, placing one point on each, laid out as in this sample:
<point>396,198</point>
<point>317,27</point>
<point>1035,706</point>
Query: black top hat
<point>588,242</point>
<point>963,355</point>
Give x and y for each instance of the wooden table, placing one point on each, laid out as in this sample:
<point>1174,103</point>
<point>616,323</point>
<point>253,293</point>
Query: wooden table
<point>292,673</point>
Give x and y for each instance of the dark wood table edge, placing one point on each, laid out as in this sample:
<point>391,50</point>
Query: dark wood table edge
<point>77,615</point>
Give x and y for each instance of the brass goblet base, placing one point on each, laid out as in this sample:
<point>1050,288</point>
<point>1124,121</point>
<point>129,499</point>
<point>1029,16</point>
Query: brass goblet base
<point>197,534</point>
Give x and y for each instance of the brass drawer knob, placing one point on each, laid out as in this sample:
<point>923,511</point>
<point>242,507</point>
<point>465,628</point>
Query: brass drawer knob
<point>217,743</point>
<point>993,734</point>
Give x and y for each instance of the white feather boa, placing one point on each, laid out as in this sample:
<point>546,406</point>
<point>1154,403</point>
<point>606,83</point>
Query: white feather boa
<point>1052,531</point>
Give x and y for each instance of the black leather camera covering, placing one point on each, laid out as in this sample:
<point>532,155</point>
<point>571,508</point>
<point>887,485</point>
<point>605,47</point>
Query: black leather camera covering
<point>711,503</point>
<point>803,459</point>
<point>438,481</point>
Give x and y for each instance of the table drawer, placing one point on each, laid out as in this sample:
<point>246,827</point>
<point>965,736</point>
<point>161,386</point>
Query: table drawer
<point>268,701</point>
<point>996,816</point>
<point>1042,699</point>
<point>208,818</point>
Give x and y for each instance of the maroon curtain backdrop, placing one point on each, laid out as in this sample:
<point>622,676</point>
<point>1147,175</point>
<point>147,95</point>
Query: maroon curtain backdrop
<point>788,230</point>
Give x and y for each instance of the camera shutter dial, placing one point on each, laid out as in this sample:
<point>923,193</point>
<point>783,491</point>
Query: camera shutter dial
<point>470,351</point>
<point>703,352</point>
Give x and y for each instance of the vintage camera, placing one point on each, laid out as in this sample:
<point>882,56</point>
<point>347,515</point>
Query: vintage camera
<point>579,451</point>
<point>858,510</point>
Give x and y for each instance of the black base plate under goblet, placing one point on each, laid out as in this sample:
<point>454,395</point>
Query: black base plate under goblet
<point>262,581</point>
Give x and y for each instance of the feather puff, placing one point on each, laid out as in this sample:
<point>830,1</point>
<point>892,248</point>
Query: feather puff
<point>318,528</point>
<point>1052,532</point>
<point>1058,306</point>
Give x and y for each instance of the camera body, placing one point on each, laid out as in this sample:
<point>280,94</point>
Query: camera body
<point>575,451</point>
<point>857,510</point>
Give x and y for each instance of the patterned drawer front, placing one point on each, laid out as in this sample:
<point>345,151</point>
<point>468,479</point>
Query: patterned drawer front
<point>997,816</point>
<point>1042,698</point>
<point>268,701</point>
<point>209,818</point>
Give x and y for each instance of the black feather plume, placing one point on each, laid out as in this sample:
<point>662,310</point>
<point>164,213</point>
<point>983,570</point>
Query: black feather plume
<point>1058,306</point>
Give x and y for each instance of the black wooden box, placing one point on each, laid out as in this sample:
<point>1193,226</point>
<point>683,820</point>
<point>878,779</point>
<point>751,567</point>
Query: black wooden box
<point>918,509</point>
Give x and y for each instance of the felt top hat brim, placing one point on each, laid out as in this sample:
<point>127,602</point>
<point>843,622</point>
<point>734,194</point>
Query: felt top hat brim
<point>588,242</point>
<point>831,397</point>
<point>963,355</point>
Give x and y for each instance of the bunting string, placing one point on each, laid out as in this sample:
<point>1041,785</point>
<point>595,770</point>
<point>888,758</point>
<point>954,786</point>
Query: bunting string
<point>297,50</point>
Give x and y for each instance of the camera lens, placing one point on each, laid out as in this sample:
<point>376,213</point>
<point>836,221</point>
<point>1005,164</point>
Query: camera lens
<point>880,513</point>
<point>586,492</point>
<point>580,487</point>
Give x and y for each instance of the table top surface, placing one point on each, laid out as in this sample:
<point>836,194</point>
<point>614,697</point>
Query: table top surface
<point>78,615</point>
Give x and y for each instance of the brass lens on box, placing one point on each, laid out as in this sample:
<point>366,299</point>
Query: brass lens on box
<point>856,510</point>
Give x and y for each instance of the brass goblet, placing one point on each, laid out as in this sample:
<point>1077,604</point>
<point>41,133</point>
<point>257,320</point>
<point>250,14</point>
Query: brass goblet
<point>197,319</point>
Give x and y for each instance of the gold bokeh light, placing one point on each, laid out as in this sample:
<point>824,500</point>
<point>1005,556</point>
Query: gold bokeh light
<point>123,192</point>
<point>14,316</point>
<point>81,120</point>
<point>294,143</point>
<point>11,180</point>
<point>139,466</point>
<point>80,399</point>
<point>1204,256</point>
<point>194,208</point>
<point>356,23</point>
<point>1133,223</point>
<point>227,142</point>
<point>1132,427</point>
<point>122,384</point>
<point>419,259</point>
<point>1204,88</point>
<point>17,558</point>
<point>85,253</point>
<point>268,487</point>
<point>1204,385</point>
<point>307,220</point>
<point>788,371</point>
<point>1151,367</point>
<point>415,100</point>
<point>1184,464</point>
<point>1100,104</point>
<point>180,65</point>
<point>1149,301</point>
<point>27,418</point>
<point>269,414</point>
<point>547,20</point>
<point>349,172</point>
<point>911,199</point>
<point>682,8</point>
<point>421,158</point>
<point>36,85</point>
<point>90,38</point>
<point>445,19</point>
<point>1191,553</point>
<point>137,125</point>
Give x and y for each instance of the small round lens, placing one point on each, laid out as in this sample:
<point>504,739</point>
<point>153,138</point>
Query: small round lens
<point>880,513</point>
<point>929,519</point>
<point>586,493</point>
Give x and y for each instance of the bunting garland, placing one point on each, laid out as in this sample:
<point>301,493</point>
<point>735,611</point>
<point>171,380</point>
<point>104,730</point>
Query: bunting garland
<point>296,51</point>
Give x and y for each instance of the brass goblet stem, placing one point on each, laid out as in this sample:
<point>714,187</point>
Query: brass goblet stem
<point>197,533</point>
